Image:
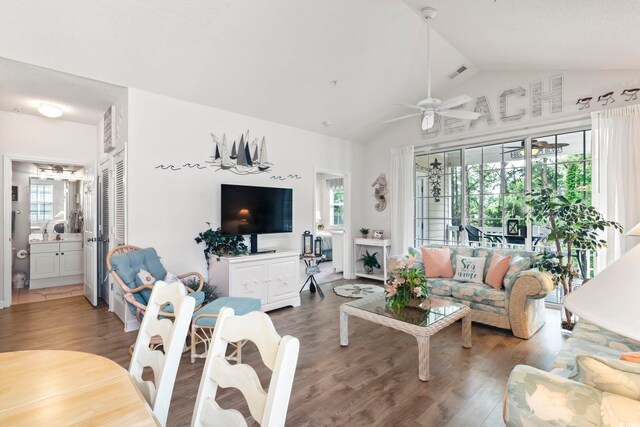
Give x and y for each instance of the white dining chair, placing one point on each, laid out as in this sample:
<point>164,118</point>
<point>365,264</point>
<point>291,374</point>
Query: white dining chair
<point>279,354</point>
<point>173,333</point>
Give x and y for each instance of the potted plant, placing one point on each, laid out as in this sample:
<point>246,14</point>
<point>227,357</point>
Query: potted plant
<point>574,226</point>
<point>364,232</point>
<point>320,227</point>
<point>370,261</point>
<point>406,285</point>
<point>219,244</point>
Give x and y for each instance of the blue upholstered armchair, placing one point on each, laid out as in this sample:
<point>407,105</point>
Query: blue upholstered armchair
<point>126,262</point>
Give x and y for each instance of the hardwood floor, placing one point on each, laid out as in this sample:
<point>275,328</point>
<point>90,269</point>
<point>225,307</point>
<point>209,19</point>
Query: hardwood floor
<point>373,381</point>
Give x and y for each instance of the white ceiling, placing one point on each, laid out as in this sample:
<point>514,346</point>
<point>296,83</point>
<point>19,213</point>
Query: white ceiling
<point>24,87</point>
<point>275,59</point>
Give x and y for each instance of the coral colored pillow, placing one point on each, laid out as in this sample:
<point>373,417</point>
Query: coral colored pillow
<point>633,357</point>
<point>497,270</point>
<point>437,262</point>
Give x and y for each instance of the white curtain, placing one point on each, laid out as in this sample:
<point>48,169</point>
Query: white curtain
<point>615,179</point>
<point>401,199</point>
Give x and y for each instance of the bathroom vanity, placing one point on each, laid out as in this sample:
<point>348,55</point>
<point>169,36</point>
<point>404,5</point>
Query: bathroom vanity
<point>56,262</point>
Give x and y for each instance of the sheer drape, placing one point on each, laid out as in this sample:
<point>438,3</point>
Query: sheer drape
<point>615,140</point>
<point>401,200</point>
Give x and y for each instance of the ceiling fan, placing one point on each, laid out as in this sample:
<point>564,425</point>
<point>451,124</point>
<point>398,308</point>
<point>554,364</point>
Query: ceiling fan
<point>429,106</point>
<point>537,145</point>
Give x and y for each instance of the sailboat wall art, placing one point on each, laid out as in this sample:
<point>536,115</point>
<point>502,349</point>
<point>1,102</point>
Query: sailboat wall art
<point>244,158</point>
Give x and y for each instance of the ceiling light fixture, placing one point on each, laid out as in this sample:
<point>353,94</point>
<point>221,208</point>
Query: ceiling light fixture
<point>326,123</point>
<point>52,111</point>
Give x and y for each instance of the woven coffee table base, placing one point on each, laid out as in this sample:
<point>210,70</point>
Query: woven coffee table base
<point>422,333</point>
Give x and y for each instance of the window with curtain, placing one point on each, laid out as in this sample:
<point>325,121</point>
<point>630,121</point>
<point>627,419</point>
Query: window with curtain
<point>41,202</point>
<point>438,207</point>
<point>492,199</point>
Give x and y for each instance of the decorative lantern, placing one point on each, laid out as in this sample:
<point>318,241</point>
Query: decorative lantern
<point>317,251</point>
<point>307,243</point>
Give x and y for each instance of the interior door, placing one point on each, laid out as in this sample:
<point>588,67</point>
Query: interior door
<point>89,229</point>
<point>117,230</point>
<point>102,245</point>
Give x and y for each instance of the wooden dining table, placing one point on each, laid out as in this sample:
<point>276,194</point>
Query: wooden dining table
<point>52,387</point>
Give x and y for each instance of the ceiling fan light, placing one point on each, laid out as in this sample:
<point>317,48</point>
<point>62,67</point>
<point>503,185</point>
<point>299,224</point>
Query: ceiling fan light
<point>52,111</point>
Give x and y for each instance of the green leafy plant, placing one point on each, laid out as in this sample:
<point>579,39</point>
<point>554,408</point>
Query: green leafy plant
<point>370,260</point>
<point>219,244</point>
<point>574,226</point>
<point>320,226</point>
<point>364,232</point>
<point>210,292</point>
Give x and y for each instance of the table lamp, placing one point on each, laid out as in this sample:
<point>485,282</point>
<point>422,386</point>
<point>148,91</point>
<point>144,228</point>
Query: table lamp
<point>612,298</point>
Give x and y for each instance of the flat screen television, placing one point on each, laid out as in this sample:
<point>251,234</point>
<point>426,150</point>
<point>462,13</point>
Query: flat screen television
<point>252,210</point>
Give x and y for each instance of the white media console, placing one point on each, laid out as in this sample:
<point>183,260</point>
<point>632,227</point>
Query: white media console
<point>274,278</point>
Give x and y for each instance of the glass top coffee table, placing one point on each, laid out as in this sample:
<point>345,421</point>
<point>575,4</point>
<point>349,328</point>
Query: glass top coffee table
<point>419,322</point>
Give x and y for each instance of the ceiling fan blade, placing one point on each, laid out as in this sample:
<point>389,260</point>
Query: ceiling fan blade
<point>413,107</point>
<point>459,114</point>
<point>427,121</point>
<point>454,102</point>
<point>402,117</point>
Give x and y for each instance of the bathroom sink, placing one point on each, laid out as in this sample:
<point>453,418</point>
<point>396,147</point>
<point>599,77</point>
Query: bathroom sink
<point>71,237</point>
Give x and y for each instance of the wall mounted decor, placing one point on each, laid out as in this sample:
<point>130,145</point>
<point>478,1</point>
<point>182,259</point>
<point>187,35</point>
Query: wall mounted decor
<point>244,158</point>
<point>606,98</point>
<point>284,178</point>
<point>380,192</point>
<point>632,94</point>
<point>435,179</point>
<point>108,131</point>
<point>584,102</point>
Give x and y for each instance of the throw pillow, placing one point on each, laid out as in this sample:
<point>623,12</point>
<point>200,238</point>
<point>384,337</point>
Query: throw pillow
<point>497,270</point>
<point>172,278</point>
<point>469,269</point>
<point>632,356</point>
<point>437,262</point>
<point>518,265</point>
<point>608,375</point>
<point>145,277</point>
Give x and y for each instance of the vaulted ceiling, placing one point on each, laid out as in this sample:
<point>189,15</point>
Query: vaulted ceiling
<point>277,59</point>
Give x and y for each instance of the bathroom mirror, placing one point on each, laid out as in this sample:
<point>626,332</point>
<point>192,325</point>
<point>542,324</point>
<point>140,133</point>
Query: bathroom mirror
<point>54,206</point>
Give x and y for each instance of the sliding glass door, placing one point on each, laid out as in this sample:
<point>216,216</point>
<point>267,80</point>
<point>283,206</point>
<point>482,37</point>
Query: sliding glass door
<point>482,189</point>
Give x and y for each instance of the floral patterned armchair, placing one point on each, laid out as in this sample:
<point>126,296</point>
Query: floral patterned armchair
<point>589,385</point>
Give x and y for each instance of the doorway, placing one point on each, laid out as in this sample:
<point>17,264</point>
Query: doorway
<point>44,254</point>
<point>331,223</point>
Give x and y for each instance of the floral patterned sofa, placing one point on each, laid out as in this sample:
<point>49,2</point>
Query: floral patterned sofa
<point>518,306</point>
<point>588,385</point>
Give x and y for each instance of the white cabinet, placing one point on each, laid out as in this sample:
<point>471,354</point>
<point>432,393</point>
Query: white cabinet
<point>55,264</point>
<point>379,246</point>
<point>273,278</point>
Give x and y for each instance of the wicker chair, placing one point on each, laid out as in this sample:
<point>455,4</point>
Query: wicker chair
<point>129,293</point>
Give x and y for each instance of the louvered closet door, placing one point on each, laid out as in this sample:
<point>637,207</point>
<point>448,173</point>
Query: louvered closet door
<point>117,227</point>
<point>103,230</point>
<point>120,198</point>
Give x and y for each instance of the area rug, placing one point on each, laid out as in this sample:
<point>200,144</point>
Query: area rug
<point>357,290</point>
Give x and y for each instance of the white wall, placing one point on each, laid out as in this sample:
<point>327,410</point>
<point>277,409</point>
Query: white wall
<point>168,209</point>
<point>576,84</point>
<point>40,138</point>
